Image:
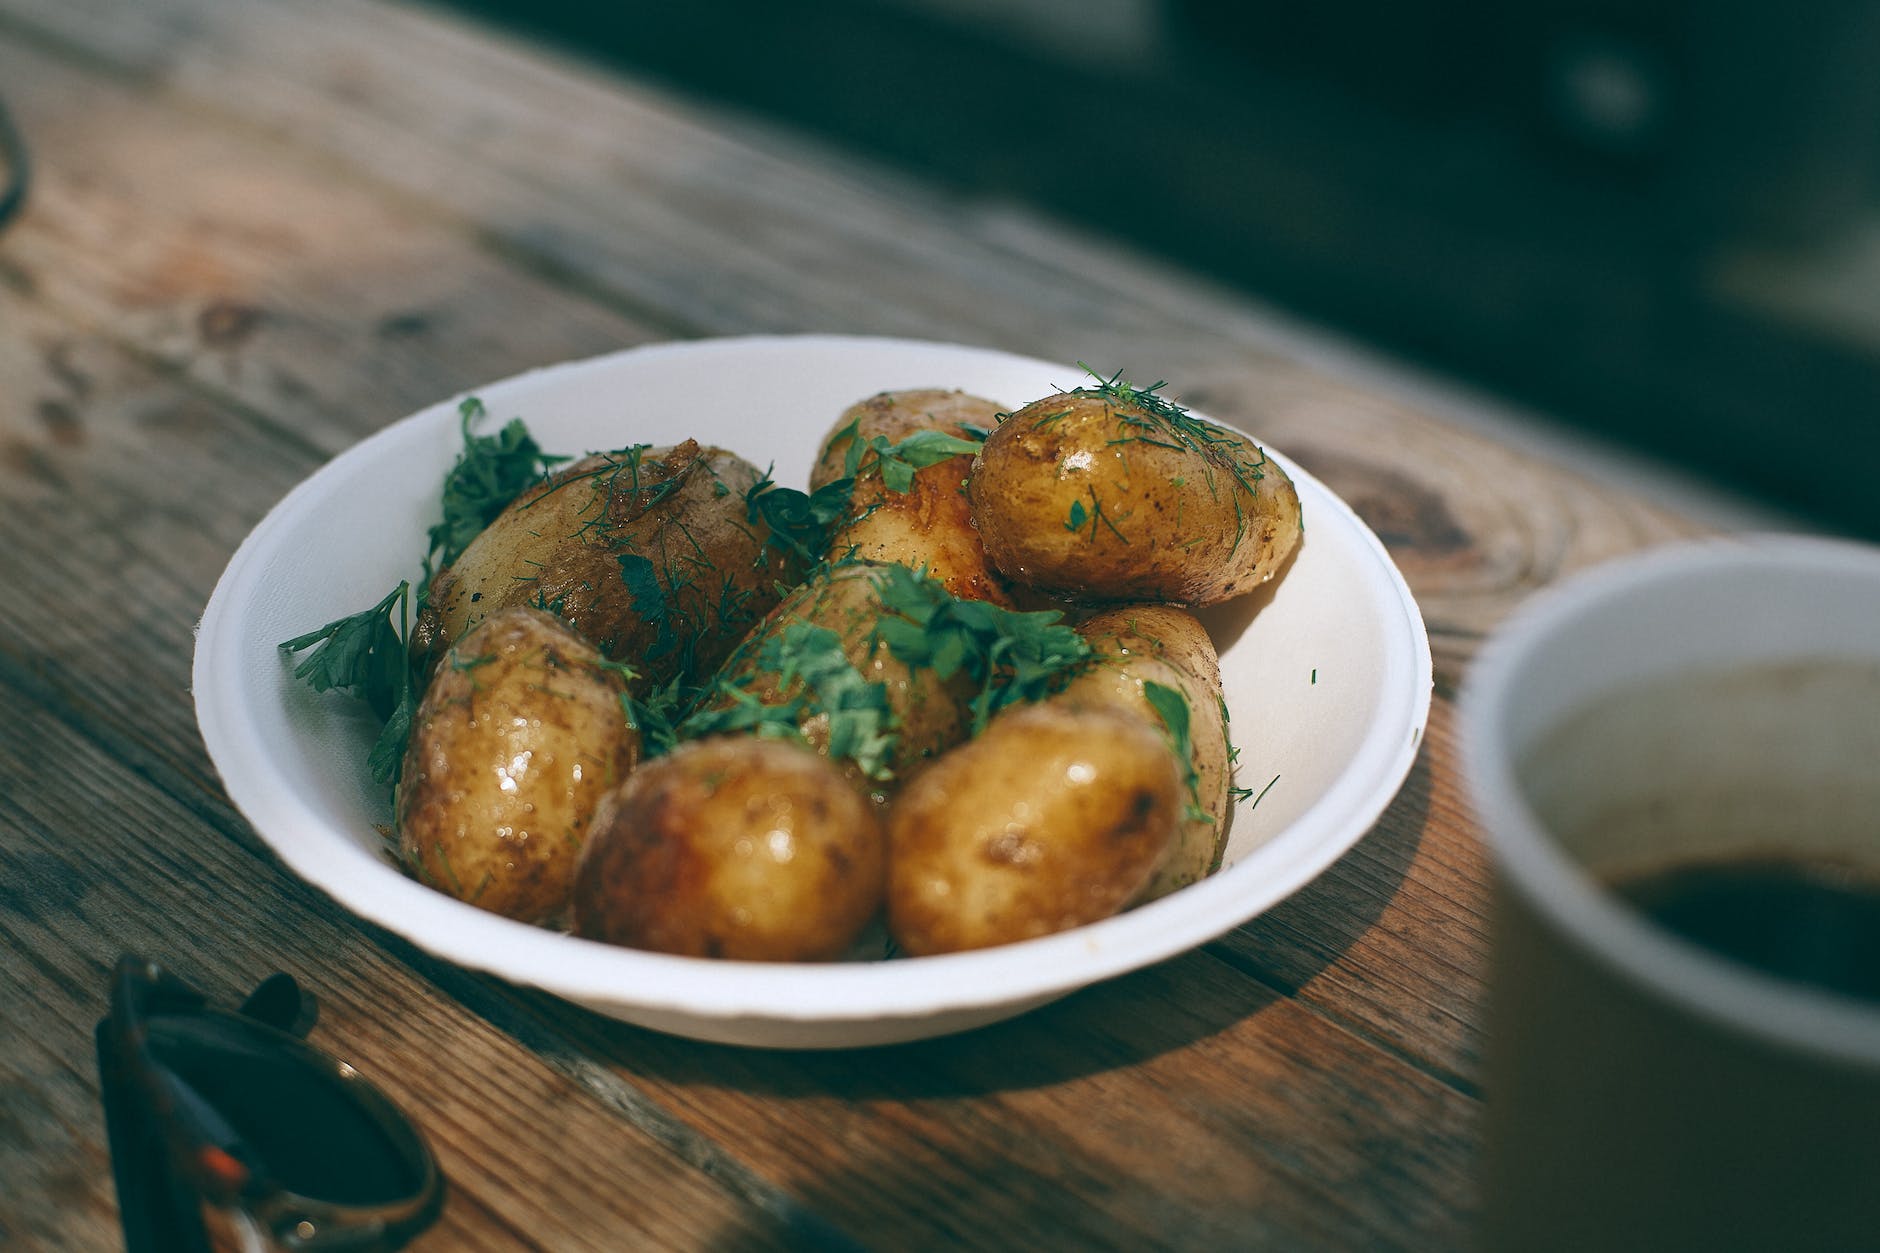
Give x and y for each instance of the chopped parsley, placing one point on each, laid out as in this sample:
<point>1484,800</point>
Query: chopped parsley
<point>648,597</point>
<point>364,655</point>
<point>814,672</point>
<point>801,523</point>
<point>1007,655</point>
<point>491,471</point>
<point>1172,707</point>
<point>897,462</point>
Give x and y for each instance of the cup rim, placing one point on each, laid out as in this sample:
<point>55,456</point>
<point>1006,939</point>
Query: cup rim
<point>1529,861</point>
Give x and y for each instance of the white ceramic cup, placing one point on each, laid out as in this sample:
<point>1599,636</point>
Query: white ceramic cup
<point>1718,699</point>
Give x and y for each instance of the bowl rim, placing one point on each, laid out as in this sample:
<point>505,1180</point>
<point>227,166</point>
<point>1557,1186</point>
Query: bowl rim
<point>1530,862</point>
<point>599,974</point>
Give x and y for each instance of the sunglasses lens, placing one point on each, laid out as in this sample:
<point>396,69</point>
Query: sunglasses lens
<point>312,1130</point>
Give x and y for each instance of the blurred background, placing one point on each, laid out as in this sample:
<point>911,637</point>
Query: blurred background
<point>1656,221</point>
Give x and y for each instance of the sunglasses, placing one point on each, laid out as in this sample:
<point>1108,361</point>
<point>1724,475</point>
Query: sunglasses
<point>228,1121</point>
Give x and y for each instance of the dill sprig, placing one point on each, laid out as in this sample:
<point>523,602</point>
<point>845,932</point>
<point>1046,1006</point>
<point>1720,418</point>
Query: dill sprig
<point>1219,446</point>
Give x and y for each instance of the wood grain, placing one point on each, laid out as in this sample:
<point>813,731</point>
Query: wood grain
<point>262,230</point>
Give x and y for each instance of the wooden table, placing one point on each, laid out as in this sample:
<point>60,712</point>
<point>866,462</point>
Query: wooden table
<point>261,231</point>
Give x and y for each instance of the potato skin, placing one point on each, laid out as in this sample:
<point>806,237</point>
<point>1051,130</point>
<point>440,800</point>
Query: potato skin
<point>1100,497</point>
<point>559,547</point>
<point>929,527</point>
<point>518,736</point>
<point>1054,817</point>
<point>742,848</point>
<point>926,714</point>
<point>1164,644</point>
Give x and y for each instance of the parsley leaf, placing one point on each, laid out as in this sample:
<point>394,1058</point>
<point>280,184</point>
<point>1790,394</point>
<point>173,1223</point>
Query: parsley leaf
<point>918,451</point>
<point>364,654</point>
<point>857,708</point>
<point>1009,656</point>
<point>802,524</point>
<point>814,670</point>
<point>744,712</point>
<point>1172,707</point>
<point>491,471</point>
<point>657,714</point>
<point>897,462</point>
<point>387,758</point>
<point>649,600</point>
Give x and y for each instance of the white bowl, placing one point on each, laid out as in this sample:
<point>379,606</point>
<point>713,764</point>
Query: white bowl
<point>1327,677</point>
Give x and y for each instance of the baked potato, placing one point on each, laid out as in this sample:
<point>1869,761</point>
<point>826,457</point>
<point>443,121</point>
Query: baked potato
<point>1109,493</point>
<point>744,848</point>
<point>651,553</point>
<point>1056,816</point>
<point>1157,662</point>
<point>518,736</point>
<point>918,517</point>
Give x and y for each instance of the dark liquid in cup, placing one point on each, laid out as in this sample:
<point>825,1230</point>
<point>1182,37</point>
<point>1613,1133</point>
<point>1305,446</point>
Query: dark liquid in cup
<point>1816,923</point>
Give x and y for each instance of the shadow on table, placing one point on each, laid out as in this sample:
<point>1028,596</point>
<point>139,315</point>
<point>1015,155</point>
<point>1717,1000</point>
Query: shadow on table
<point>1218,988</point>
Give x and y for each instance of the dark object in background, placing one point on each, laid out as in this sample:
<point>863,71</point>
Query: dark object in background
<point>15,170</point>
<point>1733,121</point>
<point>234,1111</point>
<point>1651,218</point>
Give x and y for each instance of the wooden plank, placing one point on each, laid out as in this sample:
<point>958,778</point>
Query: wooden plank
<point>724,226</point>
<point>320,303</point>
<point>1180,1107</point>
<point>372,197</point>
<point>1091,1130</point>
<point>1392,940</point>
<point>230,409</point>
<point>160,881</point>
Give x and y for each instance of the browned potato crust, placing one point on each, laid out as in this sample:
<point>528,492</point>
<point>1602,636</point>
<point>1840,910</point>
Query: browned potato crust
<point>1054,817</point>
<point>742,848</point>
<point>518,736</point>
<point>1102,496</point>
<point>929,527</point>
<point>1164,644</point>
<point>926,715</point>
<point>677,515</point>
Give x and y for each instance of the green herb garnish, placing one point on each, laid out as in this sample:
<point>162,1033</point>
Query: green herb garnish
<point>1242,793</point>
<point>648,597</point>
<point>1172,707</point>
<point>655,714</point>
<point>860,722</point>
<point>812,667</point>
<point>801,524</point>
<point>490,472</point>
<point>897,462</point>
<point>1009,656</point>
<point>364,655</point>
<point>1155,419</point>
